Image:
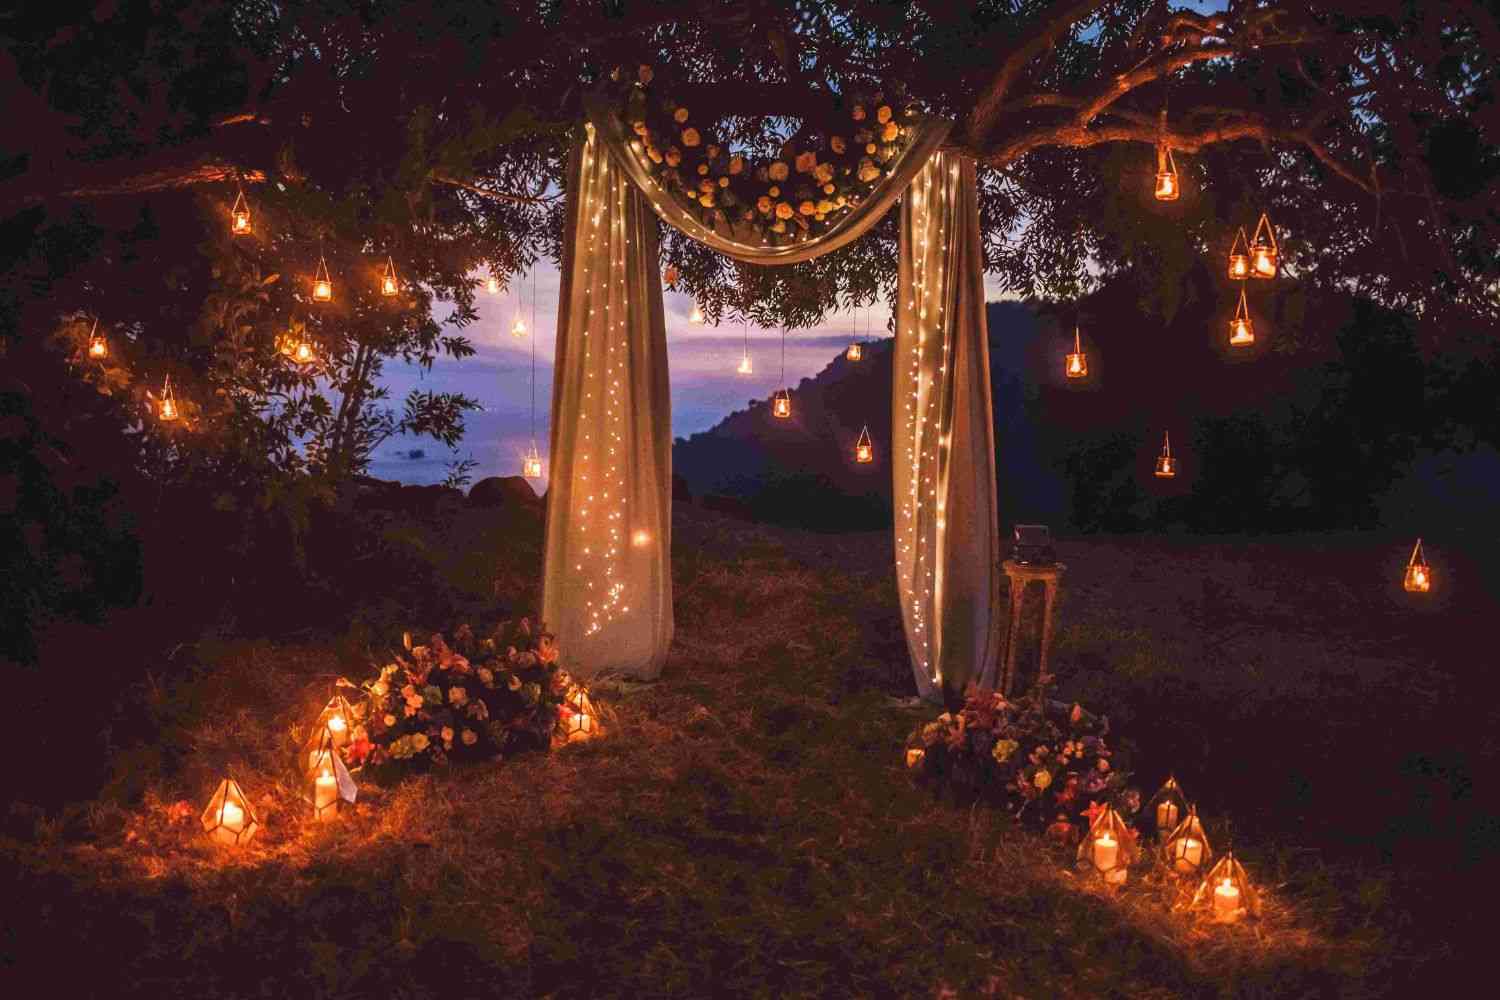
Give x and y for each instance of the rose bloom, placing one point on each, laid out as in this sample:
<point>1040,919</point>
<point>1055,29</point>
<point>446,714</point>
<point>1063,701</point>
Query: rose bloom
<point>447,734</point>
<point>891,131</point>
<point>764,204</point>
<point>1103,764</point>
<point>674,156</point>
<point>859,112</point>
<point>736,164</point>
<point>470,737</point>
<point>420,741</point>
<point>681,115</point>
<point>807,208</point>
<point>389,720</point>
<point>883,113</point>
<point>779,171</point>
<point>410,710</point>
<point>690,137</point>
<point>837,144</point>
<point>458,695</point>
<point>806,162</point>
<point>486,676</point>
<point>774,192</point>
<point>784,211</point>
<point>1042,779</point>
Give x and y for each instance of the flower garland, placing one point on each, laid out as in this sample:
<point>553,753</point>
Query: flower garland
<point>1039,758</point>
<point>820,174</point>
<point>473,699</point>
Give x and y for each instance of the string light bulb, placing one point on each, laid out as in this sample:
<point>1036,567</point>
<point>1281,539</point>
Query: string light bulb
<point>1077,365</point>
<point>1241,329</point>
<point>1166,463</point>
<point>239,215</point>
<point>389,286</point>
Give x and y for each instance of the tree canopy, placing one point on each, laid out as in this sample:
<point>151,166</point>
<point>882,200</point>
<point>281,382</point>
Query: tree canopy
<point>433,136</point>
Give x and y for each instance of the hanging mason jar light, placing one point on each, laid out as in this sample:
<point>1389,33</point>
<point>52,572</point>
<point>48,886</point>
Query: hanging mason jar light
<point>239,215</point>
<point>1264,256</point>
<point>781,404</point>
<point>303,353</point>
<point>167,405</point>
<point>864,450</point>
<point>518,327</point>
<point>1228,886</point>
<point>1186,850</point>
<point>389,286</point>
<point>98,346</point>
<point>1078,363</point>
<point>1418,578</point>
<point>1109,847</point>
<point>1241,329</point>
<point>744,367</point>
<point>492,285</point>
<point>1166,464</point>
<point>228,818</point>
<point>696,317</point>
<point>1239,256</point>
<point>1167,186</point>
<point>1167,807</point>
<point>322,290</point>
<point>531,466</point>
<point>855,352</point>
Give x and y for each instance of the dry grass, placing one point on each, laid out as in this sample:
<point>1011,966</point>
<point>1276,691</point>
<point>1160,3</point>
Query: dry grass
<point>745,829</point>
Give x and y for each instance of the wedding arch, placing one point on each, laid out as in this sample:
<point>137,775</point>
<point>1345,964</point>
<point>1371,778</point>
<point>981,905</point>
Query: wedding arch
<point>607,591</point>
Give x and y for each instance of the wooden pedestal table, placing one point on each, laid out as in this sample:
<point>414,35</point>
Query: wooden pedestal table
<point>1021,575</point>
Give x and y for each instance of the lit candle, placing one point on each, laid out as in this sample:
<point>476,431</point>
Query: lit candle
<point>1187,854</point>
<point>242,222</point>
<point>339,729</point>
<point>915,756</point>
<point>323,290</point>
<point>231,822</point>
<point>1263,263</point>
<point>1106,850</point>
<point>1166,816</point>
<point>1226,899</point>
<point>325,794</point>
<point>390,286</point>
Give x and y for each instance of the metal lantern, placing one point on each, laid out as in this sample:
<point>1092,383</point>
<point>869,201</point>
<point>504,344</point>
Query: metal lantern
<point>1166,464</point>
<point>339,718</point>
<point>228,818</point>
<point>1264,255</point>
<point>1078,363</point>
<point>1186,850</point>
<point>864,450</point>
<point>239,215</point>
<point>329,784</point>
<point>1109,847</point>
<point>855,351</point>
<point>1167,808</point>
<point>167,406</point>
<point>322,290</point>
<point>531,467</point>
<point>1167,186</point>
<point>98,346</point>
<point>1239,257</point>
<point>389,286</point>
<point>696,317</point>
<point>1418,579</point>
<point>781,404</point>
<point>1241,329</point>
<point>1229,889</point>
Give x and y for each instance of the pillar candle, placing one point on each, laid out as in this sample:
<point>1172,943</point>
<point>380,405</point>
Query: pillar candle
<point>1106,850</point>
<point>1166,816</point>
<point>325,794</point>
<point>1187,854</point>
<point>231,822</point>
<point>1226,899</point>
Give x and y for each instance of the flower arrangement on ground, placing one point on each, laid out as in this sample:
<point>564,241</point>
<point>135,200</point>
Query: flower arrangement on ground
<point>1043,760</point>
<point>468,698</point>
<point>828,166</point>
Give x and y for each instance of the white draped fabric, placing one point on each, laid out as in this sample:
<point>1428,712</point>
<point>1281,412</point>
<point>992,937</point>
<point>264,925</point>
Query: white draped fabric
<point>607,591</point>
<point>943,452</point>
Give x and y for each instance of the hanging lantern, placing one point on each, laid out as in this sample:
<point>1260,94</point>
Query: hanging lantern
<point>1264,256</point>
<point>914,758</point>
<point>1418,579</point>
<point>228,818</point>
<point>1166,464</point>
<point>1241,330</point>
<point>744,365</point>
<point>98,346</point>
<point>492,285</point>
<point>864,451</point>
<point>303,353</point>
<point>1186,850</point>
<point>781,404</point>
<point>1167,186</point>
<point>531,467</point>
<point>1239,257</point>
<point>518,328</point>
<point>239,215</point>
<point>855,352</point>
<point>696,317</point>
<point>1230,889</point>
<point>167,406</point>
<point>1167,807</point>
<point>389,286</point>
<point>1078,363</point>
<point>329,784</point>
<point>322,282</point>
<point>1109,847</point>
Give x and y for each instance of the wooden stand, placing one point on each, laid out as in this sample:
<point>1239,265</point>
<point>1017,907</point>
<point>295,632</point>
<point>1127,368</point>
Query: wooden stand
<point>1020,576</point>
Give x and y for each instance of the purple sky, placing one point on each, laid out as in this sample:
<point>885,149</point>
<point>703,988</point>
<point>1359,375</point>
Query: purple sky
<point>705,386</point>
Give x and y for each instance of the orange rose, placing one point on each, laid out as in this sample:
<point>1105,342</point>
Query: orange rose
<point>779,171</point>
<point>837,144</point>
<point>828,189</point>
<point>807,208</point>
<point>681,115</point>
<point>764,204</point>
<point>706,199</point>
<point>783,210</point>
<point>775,191</point>
<point>703,169</point>
<point>690,137</point>
<point>723,182</point>
<point>883,113</point>
<point>674,156</point>
<point>806,162</point>
<point>891,131</point>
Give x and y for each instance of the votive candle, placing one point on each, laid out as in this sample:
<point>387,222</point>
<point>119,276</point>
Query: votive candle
<point>231,822</point>
<point>1187,854</point>
<point>1166,816</point>
<point>325,794</point>
<point>1226,899</point>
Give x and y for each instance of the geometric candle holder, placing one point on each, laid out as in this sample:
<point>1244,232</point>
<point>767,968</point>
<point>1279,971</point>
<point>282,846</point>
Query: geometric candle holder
<point>1186,850</point>
<point>228,818</point>
<point>1109,847</point>
<point>329,783</point>
<point>1227,889</point>
<point>1167,808</point>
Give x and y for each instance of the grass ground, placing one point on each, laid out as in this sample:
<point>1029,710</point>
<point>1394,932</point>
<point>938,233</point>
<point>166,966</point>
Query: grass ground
<point>746,828</point>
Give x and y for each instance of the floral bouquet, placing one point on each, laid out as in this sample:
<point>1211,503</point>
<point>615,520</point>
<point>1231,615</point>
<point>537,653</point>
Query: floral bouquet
<point>468,699</point>
<point>1043,760</point>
